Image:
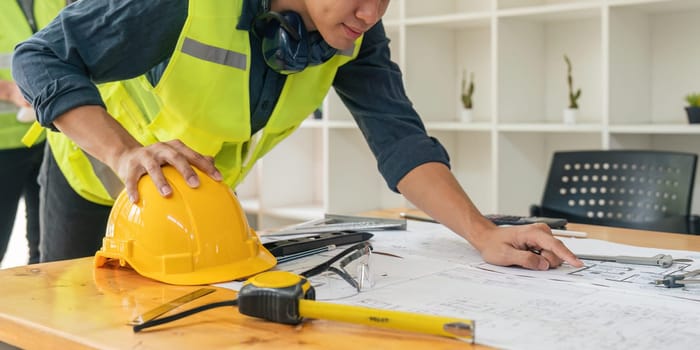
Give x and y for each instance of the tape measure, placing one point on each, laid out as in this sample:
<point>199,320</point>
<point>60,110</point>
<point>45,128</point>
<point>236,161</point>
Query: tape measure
<point>274,296</point>
<point>288,298</point>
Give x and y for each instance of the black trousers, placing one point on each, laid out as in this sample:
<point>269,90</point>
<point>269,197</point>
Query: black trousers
<point>71,226</point>
<point>19,168</point>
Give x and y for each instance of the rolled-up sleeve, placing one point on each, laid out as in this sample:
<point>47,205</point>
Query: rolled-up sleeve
<point>372,88</point>
<point>93,42</point>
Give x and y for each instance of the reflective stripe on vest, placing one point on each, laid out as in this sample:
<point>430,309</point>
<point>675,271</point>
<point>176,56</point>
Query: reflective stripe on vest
<point>14,29</point>
<point>202,99</point>
<point>213,54</point>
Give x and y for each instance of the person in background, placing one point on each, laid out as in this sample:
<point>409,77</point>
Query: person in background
<point>19,168</point>
<point>215,84</point>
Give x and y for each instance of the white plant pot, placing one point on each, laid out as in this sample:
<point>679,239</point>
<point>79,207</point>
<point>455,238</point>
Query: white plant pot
<point>570,116</point>
<point>465,115</point>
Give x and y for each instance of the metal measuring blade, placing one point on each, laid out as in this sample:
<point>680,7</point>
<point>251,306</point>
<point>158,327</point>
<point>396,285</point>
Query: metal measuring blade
<point>152,314</point>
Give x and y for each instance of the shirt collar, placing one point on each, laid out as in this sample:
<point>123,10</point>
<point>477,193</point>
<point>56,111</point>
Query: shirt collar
<point>251,9</point>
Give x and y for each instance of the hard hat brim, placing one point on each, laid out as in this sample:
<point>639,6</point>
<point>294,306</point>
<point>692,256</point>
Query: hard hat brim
<point>216,274</point>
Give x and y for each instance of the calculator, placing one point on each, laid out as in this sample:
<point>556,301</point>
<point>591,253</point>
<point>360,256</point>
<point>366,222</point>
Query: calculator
<point>501,219</point>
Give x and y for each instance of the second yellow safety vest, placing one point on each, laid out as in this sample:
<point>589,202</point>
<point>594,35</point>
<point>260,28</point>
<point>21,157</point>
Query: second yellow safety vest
<point>15,28</point>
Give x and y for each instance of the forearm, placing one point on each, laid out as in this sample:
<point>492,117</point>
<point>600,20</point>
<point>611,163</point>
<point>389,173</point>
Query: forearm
<point>100,135</point>
<point>432,188</point>
<point>5,90</point>
<point>9,92</point>
<point>96,132</point>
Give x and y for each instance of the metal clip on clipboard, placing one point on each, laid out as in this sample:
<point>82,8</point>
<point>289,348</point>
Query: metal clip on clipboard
<point>335,223</point>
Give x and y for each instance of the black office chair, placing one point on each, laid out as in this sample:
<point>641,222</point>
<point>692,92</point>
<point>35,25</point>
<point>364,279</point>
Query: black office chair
<point>649,190</point>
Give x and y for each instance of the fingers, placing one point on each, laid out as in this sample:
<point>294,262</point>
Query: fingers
<point>131,180</point>
<point>203,163</point>
<point>531,260</point>
<point>552,259</point>
<point>552,249</point>
<point>150,159</point>
<point>156,173</point>
<point>529,246</point>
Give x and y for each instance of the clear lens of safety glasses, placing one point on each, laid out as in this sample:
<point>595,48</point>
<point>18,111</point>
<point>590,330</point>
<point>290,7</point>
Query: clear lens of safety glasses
<point>344,275</point>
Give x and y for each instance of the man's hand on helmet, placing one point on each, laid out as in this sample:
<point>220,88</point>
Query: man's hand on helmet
<point>139,161</point>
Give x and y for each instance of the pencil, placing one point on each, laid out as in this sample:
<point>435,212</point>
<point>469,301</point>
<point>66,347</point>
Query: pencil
<point>567,233</point>
<point>416,217</point>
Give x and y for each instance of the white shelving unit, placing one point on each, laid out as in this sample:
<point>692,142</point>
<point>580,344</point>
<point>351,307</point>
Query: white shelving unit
<point>634,61</point>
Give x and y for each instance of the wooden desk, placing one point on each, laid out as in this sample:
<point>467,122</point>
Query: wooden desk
<point>69,304</point>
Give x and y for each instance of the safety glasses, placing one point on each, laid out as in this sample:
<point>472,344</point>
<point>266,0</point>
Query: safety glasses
<point>344,275</point>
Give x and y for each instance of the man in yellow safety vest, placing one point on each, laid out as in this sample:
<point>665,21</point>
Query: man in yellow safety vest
<point>19,19</point>
<point>225,81</point>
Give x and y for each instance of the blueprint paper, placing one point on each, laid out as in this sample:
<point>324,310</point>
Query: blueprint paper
<point>603,305</point>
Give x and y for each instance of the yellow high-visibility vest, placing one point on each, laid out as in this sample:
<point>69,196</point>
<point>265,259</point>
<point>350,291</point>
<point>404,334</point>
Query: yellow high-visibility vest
<point>15,28</point>
<point>202,99</point>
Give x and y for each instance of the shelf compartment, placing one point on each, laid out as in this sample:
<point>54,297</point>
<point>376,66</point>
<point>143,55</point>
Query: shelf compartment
<point>312,123</point>
<point>676,128</point>
<point>656,6</point>
<point>393,12</point>
<point>250,186</point>
<point>534,7</point>
<point>434,81</point>
<point>299,212</point>
<point>422,8</point>
<point>250,204</point>
<point>293,172</point>
<point>471,163</point>
<point>551,127</point>
<point>652,63</point>
<point>336,110</point>
<point>458,126</point>
<point>452,21</point>
<point>353,175</point>
<point>532,78</point>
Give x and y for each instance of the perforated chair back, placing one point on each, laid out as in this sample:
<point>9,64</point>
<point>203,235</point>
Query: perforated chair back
<point>636,189</point>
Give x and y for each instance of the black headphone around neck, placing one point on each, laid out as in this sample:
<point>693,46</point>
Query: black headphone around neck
<point>286,45</point>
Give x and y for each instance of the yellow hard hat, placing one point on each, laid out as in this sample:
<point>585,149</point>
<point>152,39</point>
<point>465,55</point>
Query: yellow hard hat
<point>194,236</point>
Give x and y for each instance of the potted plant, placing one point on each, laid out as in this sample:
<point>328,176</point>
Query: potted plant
<point>467,93</point>
<point>570,112</point>
<point>693,108</point>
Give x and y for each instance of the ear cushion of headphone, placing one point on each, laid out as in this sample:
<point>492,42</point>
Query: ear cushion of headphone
<point>285,43</point>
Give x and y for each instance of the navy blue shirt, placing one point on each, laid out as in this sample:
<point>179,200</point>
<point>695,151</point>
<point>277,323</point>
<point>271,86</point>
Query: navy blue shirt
<point>99,41</point>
